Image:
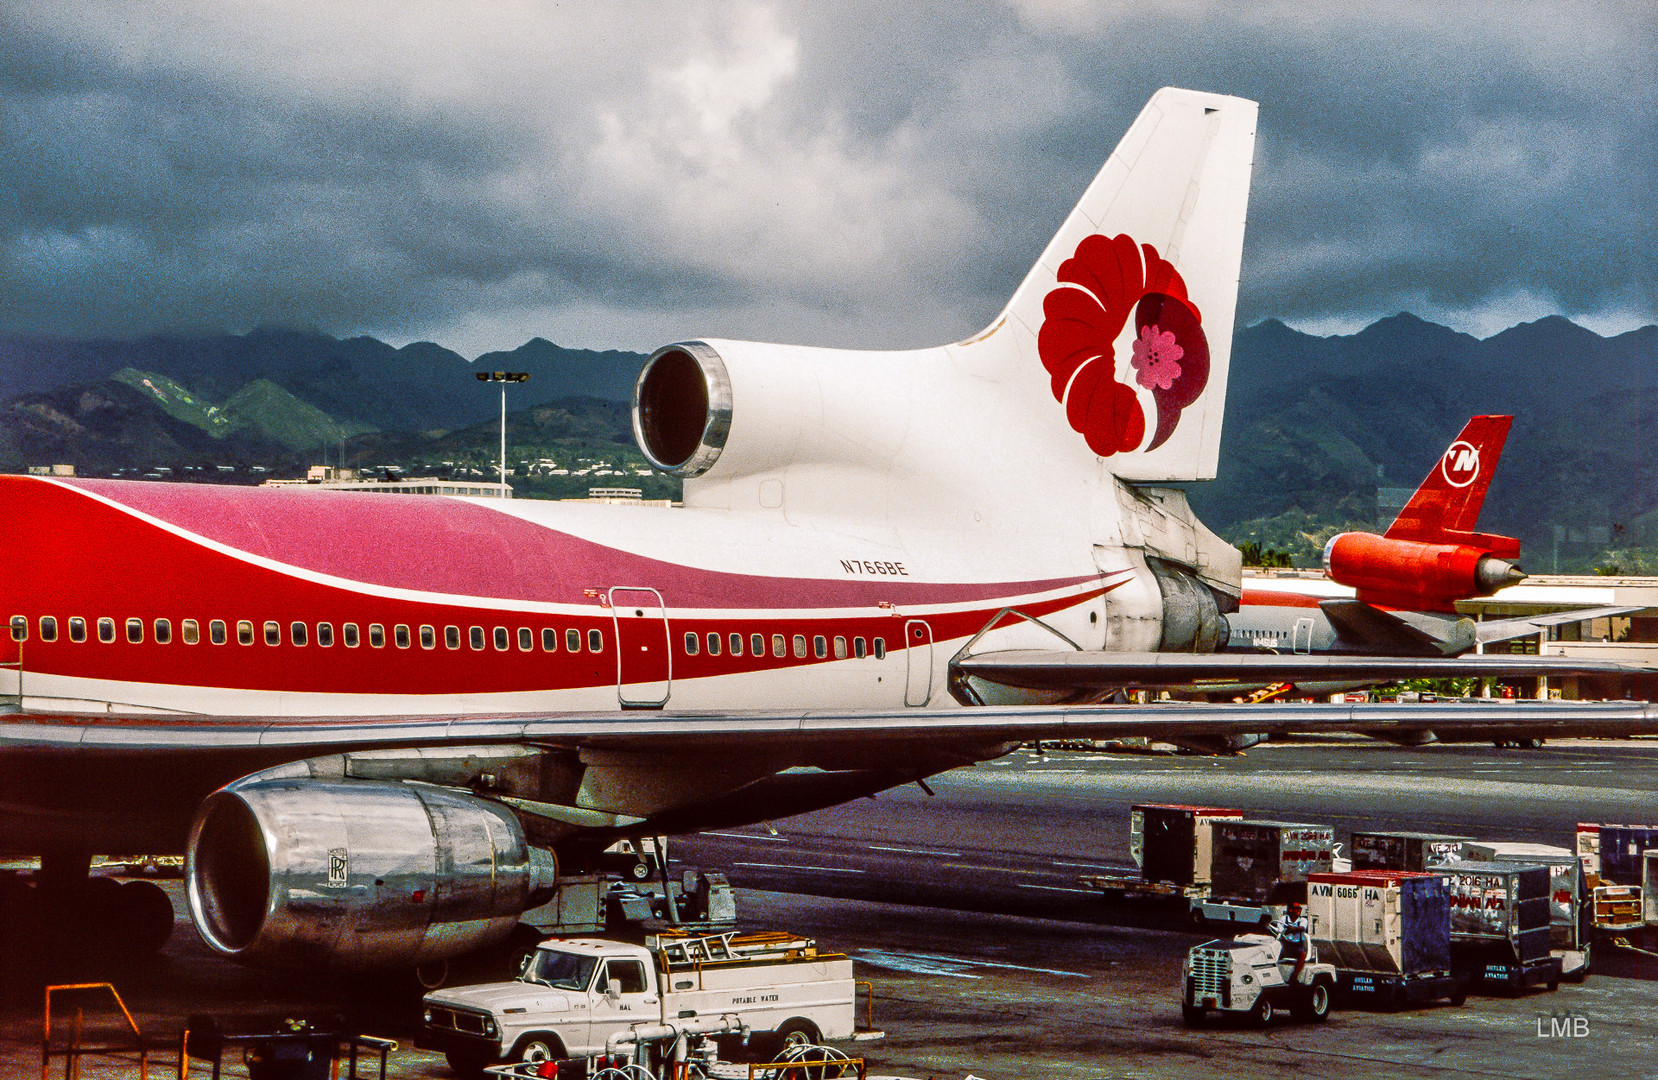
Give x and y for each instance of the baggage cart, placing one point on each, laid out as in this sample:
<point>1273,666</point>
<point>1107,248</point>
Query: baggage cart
<point>1571,914</point>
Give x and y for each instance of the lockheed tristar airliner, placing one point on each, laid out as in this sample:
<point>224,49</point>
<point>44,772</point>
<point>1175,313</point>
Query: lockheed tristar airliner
<point>380,727</point>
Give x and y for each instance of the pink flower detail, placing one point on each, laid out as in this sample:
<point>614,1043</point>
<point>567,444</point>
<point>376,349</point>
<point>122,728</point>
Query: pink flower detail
<point>1156,358</point>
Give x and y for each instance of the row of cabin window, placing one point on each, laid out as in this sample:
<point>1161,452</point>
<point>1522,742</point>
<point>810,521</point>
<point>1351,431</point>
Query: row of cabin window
<point>757,646</point>
<point>300,634</point>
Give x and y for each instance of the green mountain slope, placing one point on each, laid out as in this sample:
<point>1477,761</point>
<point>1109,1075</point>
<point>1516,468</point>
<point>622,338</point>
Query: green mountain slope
<point>176,401</point>
<point>280,417</point>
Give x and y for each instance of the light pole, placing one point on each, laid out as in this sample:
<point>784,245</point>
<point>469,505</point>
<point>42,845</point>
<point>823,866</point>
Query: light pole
<point>503,377</point>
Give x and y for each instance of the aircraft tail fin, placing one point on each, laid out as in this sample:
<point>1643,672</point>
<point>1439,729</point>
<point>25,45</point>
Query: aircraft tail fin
<point>1124,327</point>
<point>1447,504</point>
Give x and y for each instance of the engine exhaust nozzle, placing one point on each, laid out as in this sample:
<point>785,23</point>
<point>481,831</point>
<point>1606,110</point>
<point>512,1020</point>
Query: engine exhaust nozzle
<point>1493,573</point>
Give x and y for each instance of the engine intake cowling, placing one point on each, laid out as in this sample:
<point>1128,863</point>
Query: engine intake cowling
<point>357,874</point>
<point>682,408</point>
<point>1413,574</point>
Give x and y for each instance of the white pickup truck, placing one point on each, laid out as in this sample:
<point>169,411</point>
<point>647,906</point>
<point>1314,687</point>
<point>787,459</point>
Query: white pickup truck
<point>578,997</point>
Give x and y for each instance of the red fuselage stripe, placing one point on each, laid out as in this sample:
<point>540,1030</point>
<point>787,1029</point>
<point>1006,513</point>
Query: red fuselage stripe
<point>75,557</point>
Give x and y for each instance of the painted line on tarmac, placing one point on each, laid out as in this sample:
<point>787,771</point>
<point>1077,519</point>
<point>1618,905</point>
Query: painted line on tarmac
<point>1088,865</point>
<point>794,866</point>
<point>941,958</point>
<point>915,851</point>
<point>747,836</point>
<point>1053,888</point>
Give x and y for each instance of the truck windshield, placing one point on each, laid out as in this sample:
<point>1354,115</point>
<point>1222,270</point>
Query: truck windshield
<point>560,970</point>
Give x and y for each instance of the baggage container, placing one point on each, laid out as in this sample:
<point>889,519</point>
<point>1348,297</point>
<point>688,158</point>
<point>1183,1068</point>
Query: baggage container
<point>1649,887</point>
<point>1568,887</point>
<point>1588,847</point>
<point>1621,847</point>
<point>1176,844</point>
<point>1500,924</point>
<point>1386,921</point>
<point>1404,850</point>
<point>1269,860</point>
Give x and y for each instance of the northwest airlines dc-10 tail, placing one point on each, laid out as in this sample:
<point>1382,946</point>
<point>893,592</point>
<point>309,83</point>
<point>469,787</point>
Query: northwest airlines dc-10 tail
<point>1446,505</point>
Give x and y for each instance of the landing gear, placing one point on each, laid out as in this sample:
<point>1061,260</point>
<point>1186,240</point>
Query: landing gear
<point>68,912</point>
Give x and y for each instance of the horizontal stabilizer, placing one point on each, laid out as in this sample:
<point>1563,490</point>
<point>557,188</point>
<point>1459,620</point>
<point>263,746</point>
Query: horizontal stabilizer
<point>1058,669</point>
<point>1520,626</point>
<point>1368,625</point>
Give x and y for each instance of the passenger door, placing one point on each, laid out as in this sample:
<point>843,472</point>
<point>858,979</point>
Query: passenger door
<point>1301,638</point>
<point>644,665</point>
<point>918,654</point>
<point>621,997</point>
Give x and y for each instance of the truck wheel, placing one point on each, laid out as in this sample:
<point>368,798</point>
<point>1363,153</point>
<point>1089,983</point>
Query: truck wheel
<point>1193,1015</point>
<point>538,1047</point>
<point>798,1031</point>
<point>1459,992</point>
<point>640,871</point>
<point>1261,1015</point>
<point>1315,1003</point>
<point>465,1065</point>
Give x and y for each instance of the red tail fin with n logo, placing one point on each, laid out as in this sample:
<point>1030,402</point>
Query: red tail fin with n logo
<point>1446,507</point>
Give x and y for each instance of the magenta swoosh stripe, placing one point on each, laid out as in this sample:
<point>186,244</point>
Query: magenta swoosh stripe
<point>437,545</point>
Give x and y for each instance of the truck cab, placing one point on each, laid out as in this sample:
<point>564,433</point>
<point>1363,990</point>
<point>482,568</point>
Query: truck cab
<point>1244,976</point>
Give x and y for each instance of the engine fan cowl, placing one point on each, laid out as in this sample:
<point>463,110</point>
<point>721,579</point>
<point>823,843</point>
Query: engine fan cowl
<point>1409,573</point>
<point>357,874</point>
<point>682,408</point>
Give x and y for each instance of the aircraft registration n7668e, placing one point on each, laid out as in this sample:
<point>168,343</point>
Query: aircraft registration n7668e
<point>379,725</point>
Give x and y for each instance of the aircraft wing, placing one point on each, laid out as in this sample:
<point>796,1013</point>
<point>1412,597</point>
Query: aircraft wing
<point>1078,671</point>
<point>115,783</point>
<point>242,744</point>
<point>1520,626</point>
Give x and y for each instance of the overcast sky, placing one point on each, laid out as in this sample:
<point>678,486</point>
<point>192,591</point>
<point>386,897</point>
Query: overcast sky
<point>612,175</point>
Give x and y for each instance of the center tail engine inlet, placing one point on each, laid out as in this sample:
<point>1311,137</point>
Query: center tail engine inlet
<point>356,874</point>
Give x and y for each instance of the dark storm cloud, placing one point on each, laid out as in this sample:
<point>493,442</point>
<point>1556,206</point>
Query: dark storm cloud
<point>841,174</point>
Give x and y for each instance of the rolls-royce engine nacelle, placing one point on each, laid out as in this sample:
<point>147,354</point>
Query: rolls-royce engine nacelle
<point>1412,574</point>
<point>357,874</point>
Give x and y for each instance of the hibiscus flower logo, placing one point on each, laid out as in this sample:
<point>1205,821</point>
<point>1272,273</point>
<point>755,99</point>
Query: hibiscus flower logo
<point>1099,286</point>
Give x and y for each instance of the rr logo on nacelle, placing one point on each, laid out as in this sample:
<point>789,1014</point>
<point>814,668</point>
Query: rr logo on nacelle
<point>1461,464</point>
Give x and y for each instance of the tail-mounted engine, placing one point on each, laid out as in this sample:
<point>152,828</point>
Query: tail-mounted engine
<point>1192,616</point>
<point>682,408</point>
<point>355,874</point>
<point>1412,574</point>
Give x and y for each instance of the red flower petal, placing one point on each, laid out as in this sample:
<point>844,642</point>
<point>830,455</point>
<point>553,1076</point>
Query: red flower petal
<point>1161,277</point>
<point>1110,269</point>
<point>1074,331</point>
<point>1106,412</point>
